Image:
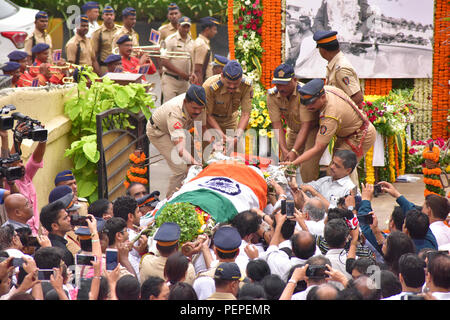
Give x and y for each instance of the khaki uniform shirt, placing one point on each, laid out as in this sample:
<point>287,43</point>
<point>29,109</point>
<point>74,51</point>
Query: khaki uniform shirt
<point>290,109</point>
<point>172,119</point>
<point>87,55</point>
<point>123,31</point>
<point>224,106</point>
<point>175,43</point>
<point>166,30</point>
<point>221,296</point>
<point>153,266</point>
<point>201,48</point>
<point>106,43</point>
<point>340,74</point>
<point>39,38</point>
<point>337,117</point>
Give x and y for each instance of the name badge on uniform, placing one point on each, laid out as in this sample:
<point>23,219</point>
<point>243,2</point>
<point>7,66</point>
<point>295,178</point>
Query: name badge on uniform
<point>220,102</point>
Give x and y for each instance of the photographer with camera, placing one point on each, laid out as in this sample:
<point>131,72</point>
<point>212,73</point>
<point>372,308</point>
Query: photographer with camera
<point>28,128</point>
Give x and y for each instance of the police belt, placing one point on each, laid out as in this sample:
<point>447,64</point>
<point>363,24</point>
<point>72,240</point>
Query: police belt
<point>153,123</point>
<point>219,115</point>
<point>173,76</point>
<point>363,127</point>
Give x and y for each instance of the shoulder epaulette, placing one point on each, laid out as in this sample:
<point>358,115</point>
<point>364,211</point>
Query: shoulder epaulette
<point>273,90</point>
<point>216,85</point>
<point>246,81</point>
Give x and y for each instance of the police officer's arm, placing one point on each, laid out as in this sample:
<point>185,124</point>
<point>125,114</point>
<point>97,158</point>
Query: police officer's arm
<point>303,134</point>
<point>71,50</point>
<point>183,153</point>
<point>280,136</point>
<point>327,130</point>
<point>211,121</point>
<point>199,58</point>
<point>246,108</point>
<point>346,81</point>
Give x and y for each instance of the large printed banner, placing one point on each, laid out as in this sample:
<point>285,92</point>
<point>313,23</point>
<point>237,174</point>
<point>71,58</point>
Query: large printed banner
<point>381,38</point>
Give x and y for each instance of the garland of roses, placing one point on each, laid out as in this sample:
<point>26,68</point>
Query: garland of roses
<point>441,70</point>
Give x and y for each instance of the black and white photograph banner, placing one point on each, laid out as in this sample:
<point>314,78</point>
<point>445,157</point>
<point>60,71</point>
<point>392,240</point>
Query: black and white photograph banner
<point>381,38</point>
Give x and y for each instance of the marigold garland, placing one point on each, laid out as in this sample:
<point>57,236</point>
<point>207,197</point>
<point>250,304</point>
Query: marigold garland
<point>271,40</point>
<point>380,87</point>
<point>231,47</point>
<point>431,173</point>
<point>392,176</point>
<point>441,70</point>
<point>138,171</point>
<point>370,170</point>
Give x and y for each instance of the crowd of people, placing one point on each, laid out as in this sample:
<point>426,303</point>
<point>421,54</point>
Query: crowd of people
<point>329,247</point>
<point>320,252</point>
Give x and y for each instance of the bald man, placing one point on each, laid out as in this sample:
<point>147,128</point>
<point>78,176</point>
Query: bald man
<point>18,210</point>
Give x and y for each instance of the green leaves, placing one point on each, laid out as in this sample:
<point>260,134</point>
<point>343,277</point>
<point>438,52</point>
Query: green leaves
<point>82,109</point>
<point>184,215</point>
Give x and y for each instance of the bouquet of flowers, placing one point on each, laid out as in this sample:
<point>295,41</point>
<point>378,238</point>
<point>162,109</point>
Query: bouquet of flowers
<point>191,219</point>
<point>392,113</point>
<point>259,116</point>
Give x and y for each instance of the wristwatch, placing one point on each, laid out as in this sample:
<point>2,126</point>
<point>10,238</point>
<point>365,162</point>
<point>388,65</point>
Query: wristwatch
<point>294,151</point>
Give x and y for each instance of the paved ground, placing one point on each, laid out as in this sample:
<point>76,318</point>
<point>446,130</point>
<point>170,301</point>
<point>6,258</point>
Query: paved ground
<point>382,205</point>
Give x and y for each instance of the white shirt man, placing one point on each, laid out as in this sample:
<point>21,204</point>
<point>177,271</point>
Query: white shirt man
<point>441,232</point>
<point>338,184</point>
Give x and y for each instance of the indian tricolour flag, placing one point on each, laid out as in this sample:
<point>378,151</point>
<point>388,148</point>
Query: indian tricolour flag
<point>223,189</point>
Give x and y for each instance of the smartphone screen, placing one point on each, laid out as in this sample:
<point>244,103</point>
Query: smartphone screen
<point>44,274</point>
<point>290,207</point>
<point>85,259</point>
<point>283,206</point>
<point>17,262</point>
<point>111,259</point>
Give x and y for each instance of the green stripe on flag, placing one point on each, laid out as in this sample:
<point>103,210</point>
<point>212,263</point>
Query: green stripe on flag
<point>220,208</point>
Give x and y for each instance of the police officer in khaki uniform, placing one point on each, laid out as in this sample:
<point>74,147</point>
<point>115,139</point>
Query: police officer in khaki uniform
<point>340,72</point>
<point>218,63</point>
<point>102,38</point>
<point>66,178</point>
<point>178,71</point>
<point>78,48</point>
<point>129,21</point>
<point>39,34</point>
<point>225,93</point>
<point>202,49</point>
<point>338,117</point>
<point>167,242</point>
<point>166,130</point>
<point>283,102</point>
<point>173,15</point>
<point>227,242</point>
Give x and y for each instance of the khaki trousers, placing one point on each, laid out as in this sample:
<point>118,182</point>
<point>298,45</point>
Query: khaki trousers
<point>177,165</point>
<point>368,142</point>
<point>309,170</point>
<point>172,87</point>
